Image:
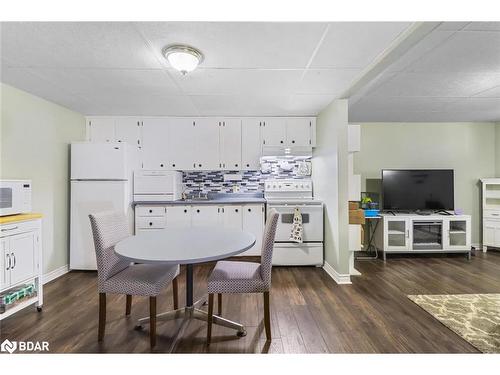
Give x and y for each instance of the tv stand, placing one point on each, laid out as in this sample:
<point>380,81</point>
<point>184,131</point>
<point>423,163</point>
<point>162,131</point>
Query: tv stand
<point>416,234</point>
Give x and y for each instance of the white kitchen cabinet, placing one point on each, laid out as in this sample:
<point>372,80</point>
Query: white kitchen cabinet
<point>179,216</point>
<point>128,130</point>
<point>253,222</point>
<point>205,215</point>
<point>20,260</point>
<point>273,131</point>
<point>101,129</point>
<point>233,217</point>
<point>206,144</point>
<point>298,132</point>
<point>181,144</point>
<point>230,144</point>
<point>251,144</point>
<point>155,138</point>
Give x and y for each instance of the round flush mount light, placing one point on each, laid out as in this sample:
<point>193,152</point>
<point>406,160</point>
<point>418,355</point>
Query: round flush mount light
<point>183,58</point>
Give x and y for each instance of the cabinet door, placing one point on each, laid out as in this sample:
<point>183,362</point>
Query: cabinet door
<point>181,144</point>
<point>179,216</point>
<point>397,234</point>
<point>251,144</point>
<point>155,138</point>
<point>4,263</point>
<point>102,130</point>
<point>206,144</point>
<point>489,232</point>
<point>274,131</point>
<point>298,131</point>
<point>456,233</point>
<point>205,216</point>
<point>230,144</point>
<point>127,130</point>
<point>22,251</point>
<point>253,222</point>
<point>232,216</point>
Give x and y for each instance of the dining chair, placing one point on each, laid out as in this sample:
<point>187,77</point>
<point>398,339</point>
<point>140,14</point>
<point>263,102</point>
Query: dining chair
<point>231,277</point>
<point>116,275</point>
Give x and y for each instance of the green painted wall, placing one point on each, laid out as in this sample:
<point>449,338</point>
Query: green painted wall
<point>35,136</point>
<point>497,149</point>
<point>468,148</point>
<point>330,182</point>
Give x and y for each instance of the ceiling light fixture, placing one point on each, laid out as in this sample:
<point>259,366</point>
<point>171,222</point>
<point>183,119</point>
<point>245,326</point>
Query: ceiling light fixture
<point>183,58</point>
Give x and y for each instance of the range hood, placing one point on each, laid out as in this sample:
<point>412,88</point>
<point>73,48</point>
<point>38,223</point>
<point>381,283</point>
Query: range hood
<point>287,152</point>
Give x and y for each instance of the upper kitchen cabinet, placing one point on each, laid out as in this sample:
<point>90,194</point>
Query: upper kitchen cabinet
<point>128,130</point>
<point>155,141</point>
<point>101,129</point>
<point>205,154</point>
<point>273,131</point>
<point>299,131</point>
<point>251,145</point>
<point>181,144</point>
<point>230,144</point>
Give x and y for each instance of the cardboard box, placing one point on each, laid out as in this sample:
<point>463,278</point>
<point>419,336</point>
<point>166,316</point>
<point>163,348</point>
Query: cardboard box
<point>353,205</point>
<point>356,216</point>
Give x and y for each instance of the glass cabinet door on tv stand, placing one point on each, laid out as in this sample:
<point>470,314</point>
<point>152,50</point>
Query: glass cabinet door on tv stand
<point>397,235</point>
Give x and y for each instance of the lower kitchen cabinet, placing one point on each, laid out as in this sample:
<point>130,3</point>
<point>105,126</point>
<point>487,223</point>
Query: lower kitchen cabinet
<point>248,217</point>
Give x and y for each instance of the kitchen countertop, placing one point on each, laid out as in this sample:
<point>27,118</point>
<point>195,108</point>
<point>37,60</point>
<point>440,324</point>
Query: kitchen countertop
<point>19,217</point>
<point>229,198</point>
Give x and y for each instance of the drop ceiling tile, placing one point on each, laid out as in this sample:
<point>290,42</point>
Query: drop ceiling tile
<point>240,44</point>
<point>129,104</point>
<point>76,44</point>
<point>437,84</point>
<point>24,79</point>
<point>491,93</point>
<point>452,26</point>
<point>464,52</point>
<point>110,81</point>
<point>241,105</point>
<point>331,81</point>
<point>483,26</point>
<point>427,44</point>
<point>355,44</point>
<point>402,104</point>
<point>238,81</point>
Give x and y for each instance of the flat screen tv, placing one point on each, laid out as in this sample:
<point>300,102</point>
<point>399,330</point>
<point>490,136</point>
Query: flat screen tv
<point>417,189</point>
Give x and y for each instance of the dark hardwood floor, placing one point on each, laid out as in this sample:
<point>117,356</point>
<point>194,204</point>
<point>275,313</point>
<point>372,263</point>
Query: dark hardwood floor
<point>310,313</point>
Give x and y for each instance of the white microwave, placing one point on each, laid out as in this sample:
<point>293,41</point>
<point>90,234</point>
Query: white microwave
<point>15,197</point>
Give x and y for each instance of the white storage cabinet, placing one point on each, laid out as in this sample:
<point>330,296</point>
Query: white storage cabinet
<point>491,212</point>
<point>21,261</point>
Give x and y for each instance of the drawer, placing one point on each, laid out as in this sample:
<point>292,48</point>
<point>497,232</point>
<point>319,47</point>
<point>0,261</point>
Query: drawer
<point>150,211</point>
<point>151,222</point>
<point>491,214</point>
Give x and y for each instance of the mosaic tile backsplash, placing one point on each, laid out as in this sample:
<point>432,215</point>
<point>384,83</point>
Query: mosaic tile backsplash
<point>252,181</point>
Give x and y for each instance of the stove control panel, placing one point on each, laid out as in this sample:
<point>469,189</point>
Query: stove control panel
<point>288,188</point>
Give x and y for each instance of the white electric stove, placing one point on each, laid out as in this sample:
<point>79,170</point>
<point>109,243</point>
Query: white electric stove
<point>285,195</point>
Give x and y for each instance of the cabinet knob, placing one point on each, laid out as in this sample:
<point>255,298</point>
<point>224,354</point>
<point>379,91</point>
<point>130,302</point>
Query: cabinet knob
<point>150,223</point>
<point>249,210</point>
<point>293,141</point>
<point>248,165</point>
<point>236,210</point>
<point>173,165</point>
<point>199,165</point>
<point>281,141</point>
<point>236,165</point>
<point>185,211</point>
<point>161,165</point>
<point>198,211</point>
<point>150,211</point>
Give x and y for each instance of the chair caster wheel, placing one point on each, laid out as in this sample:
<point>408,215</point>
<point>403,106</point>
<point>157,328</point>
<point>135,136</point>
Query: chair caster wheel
<point>138,327</point>
<point>241,333</point>
<point>39,308</point>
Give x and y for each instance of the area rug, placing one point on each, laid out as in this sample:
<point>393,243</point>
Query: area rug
<point>474,317</point>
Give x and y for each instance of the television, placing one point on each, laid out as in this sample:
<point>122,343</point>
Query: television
<point>417,189</point>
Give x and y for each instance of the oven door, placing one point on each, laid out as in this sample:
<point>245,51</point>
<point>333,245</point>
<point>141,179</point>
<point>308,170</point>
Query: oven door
<point>312,221</point>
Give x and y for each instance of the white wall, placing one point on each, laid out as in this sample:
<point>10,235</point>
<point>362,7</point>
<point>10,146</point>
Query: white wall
<point>35,136</point>
<point>330,182</point>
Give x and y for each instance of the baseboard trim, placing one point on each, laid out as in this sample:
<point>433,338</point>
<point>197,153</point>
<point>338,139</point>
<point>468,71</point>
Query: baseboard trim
<point>340,279</point>
<point>52,275</point>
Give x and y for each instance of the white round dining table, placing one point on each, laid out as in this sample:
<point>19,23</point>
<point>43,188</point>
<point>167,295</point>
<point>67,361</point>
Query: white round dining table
<point>186,246</point>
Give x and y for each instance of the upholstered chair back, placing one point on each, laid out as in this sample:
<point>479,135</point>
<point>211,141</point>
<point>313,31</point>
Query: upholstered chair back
<point>268,246</point>
<point>108,229</point>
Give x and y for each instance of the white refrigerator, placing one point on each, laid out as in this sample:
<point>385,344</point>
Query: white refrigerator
<point>101,180</point>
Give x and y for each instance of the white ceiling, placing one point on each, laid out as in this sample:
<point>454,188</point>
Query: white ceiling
<point>453,74</point>
<point>249,68</point>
